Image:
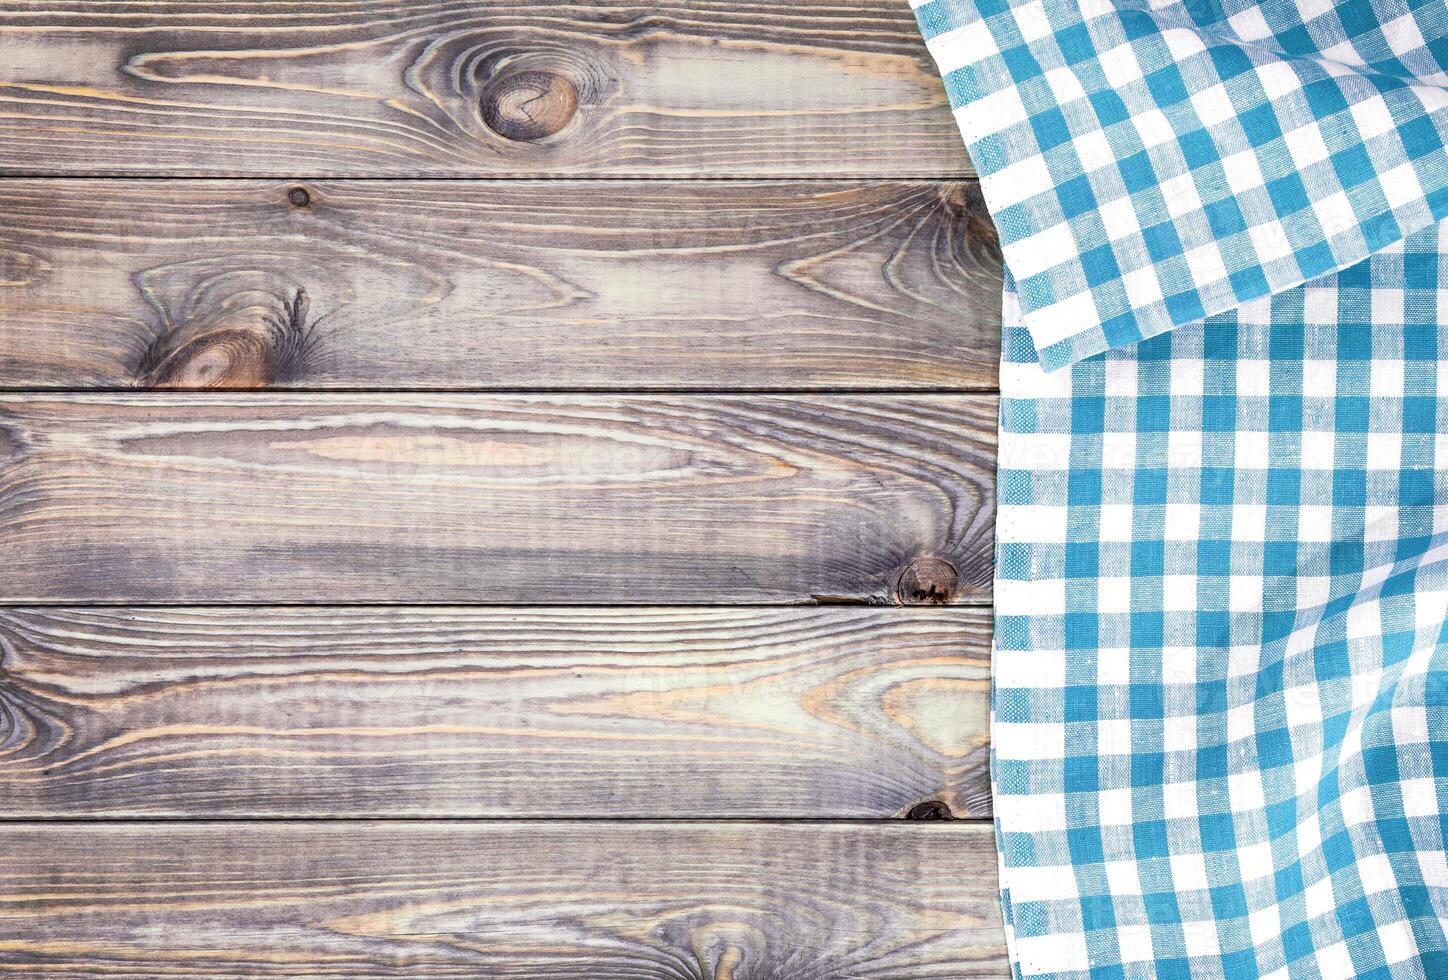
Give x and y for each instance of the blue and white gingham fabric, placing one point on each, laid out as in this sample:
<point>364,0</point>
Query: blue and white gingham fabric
<point>1221,675</point>
<point>1220,709</point>
<point>1152,162</point>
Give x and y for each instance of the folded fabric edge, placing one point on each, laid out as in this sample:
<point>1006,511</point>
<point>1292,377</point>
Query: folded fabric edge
<point>1063,353</point>
<point>1073,329</point>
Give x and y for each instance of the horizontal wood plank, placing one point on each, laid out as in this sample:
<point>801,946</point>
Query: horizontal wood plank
<point>524,499</point>
<point>542,901</point>
<point>479,712</point>
<point>119,284</point>
<point>436,88</point>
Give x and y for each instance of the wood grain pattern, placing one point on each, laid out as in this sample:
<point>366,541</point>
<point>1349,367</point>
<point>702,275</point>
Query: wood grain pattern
<point>497,284</point>
<point>299,281</point>
<point>541,901</point>
<point>438,88</point>
<point>526,499</point>
<point>468,712</point>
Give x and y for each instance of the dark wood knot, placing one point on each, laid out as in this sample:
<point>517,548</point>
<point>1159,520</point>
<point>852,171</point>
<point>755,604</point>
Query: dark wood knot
<point>927,581</point>
<point>298,197</point>
<point>226,358</point>
<point>930,810</point>
<point>526,106</point>
<point>239,355</point>
<point>969,220</point>
<point>12,447</point>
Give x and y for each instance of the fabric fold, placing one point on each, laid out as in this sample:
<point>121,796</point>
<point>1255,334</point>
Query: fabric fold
<point>1151,164</point>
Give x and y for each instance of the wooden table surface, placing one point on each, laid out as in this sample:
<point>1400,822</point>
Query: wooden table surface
<point>492,490</point>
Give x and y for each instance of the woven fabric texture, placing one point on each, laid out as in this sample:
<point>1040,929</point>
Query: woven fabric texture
<point>1220,707</point>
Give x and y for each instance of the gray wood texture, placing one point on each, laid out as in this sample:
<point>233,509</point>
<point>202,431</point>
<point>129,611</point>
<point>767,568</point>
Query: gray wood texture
<point>531,499</point>
<point>531,901</point>
<point>480,712</point>
<point>119,284</point>
<point>425,364</point>
<point>438,88</point>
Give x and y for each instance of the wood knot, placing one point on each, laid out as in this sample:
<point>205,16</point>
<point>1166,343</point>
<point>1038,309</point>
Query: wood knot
<point>526,106</point>
<point>970,219</point>
<point>298,197</point>
<point>927,581</point>
<point>226,358</point>
<point>245,355</point>
<point>930,810</point>
<point>10,445</point>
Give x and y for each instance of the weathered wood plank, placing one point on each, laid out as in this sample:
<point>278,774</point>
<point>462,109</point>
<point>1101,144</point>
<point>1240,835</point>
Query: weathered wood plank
<point>525,499</point>
<point>542,901</point>
<point>439,88</point>
<point>469,712</point>
<point>498,284</point>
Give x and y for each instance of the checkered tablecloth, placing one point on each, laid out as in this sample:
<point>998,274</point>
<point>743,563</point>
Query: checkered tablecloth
<point>1221,667</point>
